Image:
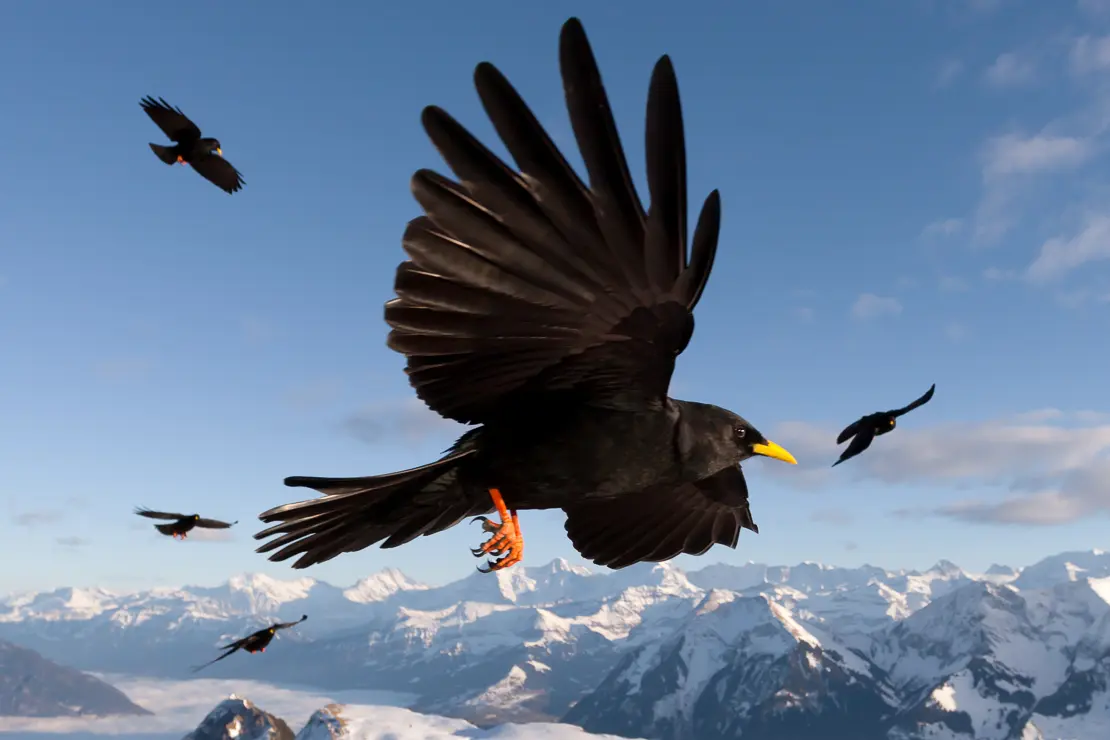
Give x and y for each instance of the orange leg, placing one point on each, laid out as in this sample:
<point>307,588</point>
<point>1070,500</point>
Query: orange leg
<point>505,536</point>
<point>263,649</point>
<point>180,160</point>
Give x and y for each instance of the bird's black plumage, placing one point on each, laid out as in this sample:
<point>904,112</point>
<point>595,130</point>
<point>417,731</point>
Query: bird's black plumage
<point>181,524</point>
<point>550,312</point>
<point>863,431</point>
<point>203,153</point>
<point>253,643</point>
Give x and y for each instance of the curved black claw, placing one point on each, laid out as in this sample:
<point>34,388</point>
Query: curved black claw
<point>491,564</point>
<point>479,519</point>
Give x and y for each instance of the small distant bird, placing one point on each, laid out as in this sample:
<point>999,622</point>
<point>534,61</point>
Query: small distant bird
<point>255,643</point>
<point>202,152</point>
<point>182,523</point>
<point>551,313</point>
<point>868,427</point>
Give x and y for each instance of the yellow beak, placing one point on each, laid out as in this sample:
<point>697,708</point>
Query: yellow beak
<point>219,151</point>
<point>773,450</point>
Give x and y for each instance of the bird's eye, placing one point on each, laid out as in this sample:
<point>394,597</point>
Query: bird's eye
<point>740,432</point>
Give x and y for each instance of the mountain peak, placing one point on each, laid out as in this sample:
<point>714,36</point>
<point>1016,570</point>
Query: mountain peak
<point>381,585</point>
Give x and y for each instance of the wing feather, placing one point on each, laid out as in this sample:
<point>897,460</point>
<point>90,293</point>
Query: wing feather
<point>174,124</point>
<point>661,523</point>
<point>142,511</point>
<point>524,283</point>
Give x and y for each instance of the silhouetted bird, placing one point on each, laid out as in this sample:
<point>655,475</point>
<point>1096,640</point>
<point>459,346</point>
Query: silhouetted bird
<point>868,427</point>
<point>203,153</point>
<point>551,314</point>
<point>182,524</point>
<point>255,643</point>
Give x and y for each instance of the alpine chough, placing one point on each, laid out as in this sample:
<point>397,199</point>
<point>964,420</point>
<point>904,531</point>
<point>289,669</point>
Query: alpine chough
<point>254,643</point>
<point>202,152</point>
<point>182,524</point>
<point>550,313</point>
<point>864,430</point>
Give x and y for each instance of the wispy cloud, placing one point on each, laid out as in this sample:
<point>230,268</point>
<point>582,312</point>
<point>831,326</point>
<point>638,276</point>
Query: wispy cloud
<point>404,421</point>
<point>38,518</point>
<point>944,227</point>
<point>997,274</point>
<point>1053,464</point>
<point>72,542</point>
<point>1060,255</point>
<point>1009,161</point>
<point>1011,69</point>
<point>1090,54</point>
<point>871,306</point>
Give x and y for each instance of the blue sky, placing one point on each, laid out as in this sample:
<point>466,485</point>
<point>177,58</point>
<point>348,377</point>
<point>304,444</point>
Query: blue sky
<point>914,192</point>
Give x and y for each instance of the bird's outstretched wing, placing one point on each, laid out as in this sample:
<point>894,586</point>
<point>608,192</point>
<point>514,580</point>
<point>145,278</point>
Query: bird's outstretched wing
<point>219,172</point>
<point>521,285</point>
<point>141,511</point>
<point>174,124</point>
<point>287,625</point>
<point>919,402</point>
<point>863,439</point>
<point>661,523</point>
<point>214,524</point>
<point>851,430</point>
<point>231,648</point>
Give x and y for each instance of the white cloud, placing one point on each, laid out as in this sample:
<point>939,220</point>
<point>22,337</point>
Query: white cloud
<point>836,517</point>
<point>1054,465</point>
<point>1010,70</point>
<point>1090,54</point>
<point>944,227</point>
<point>871,306</point>
<point>1060,255</point>
<point>1009,161</point>
<point>179,706</point>
<point>1094,7</point>
<point>1011,154</point>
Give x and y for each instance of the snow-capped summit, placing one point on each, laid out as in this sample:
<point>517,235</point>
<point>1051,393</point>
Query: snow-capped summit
<point>1067,566</point>
<point>381,585</point>
<point>325,724</point>
<point>236,718</point>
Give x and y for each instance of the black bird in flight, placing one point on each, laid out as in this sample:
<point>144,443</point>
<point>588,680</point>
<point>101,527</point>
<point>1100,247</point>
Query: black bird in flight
<point>550,313</point>
<point>182,524</point>
<point>203,153</point>
<point>864,431</point>
<point>254,643</point>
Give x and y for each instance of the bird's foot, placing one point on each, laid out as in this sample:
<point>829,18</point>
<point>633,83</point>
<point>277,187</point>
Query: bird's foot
<point>263,650</point>
<point>180,160</point>
<point>505,539</point>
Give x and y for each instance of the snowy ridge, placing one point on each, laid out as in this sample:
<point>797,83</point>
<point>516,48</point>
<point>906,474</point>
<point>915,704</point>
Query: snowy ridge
<point>723,652</point>
<point>238,719</point>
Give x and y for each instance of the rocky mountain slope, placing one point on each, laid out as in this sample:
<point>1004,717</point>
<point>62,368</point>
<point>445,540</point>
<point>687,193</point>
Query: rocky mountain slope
<point>32,686</point>
<point>807,651</point>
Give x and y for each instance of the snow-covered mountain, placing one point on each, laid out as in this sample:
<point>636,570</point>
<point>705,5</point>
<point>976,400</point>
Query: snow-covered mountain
<point>238,719</point>
<point>727,651</point>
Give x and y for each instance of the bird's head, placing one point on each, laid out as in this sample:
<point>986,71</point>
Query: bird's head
<point>711,438</point>
<point>273,630</point>
<point>196,517</point>
<point>886,425</point>
<point>212,145</point>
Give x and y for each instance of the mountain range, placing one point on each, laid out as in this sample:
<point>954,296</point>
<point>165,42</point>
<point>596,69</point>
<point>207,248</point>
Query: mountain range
<point>805,652</point>
<point>32,686</point>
